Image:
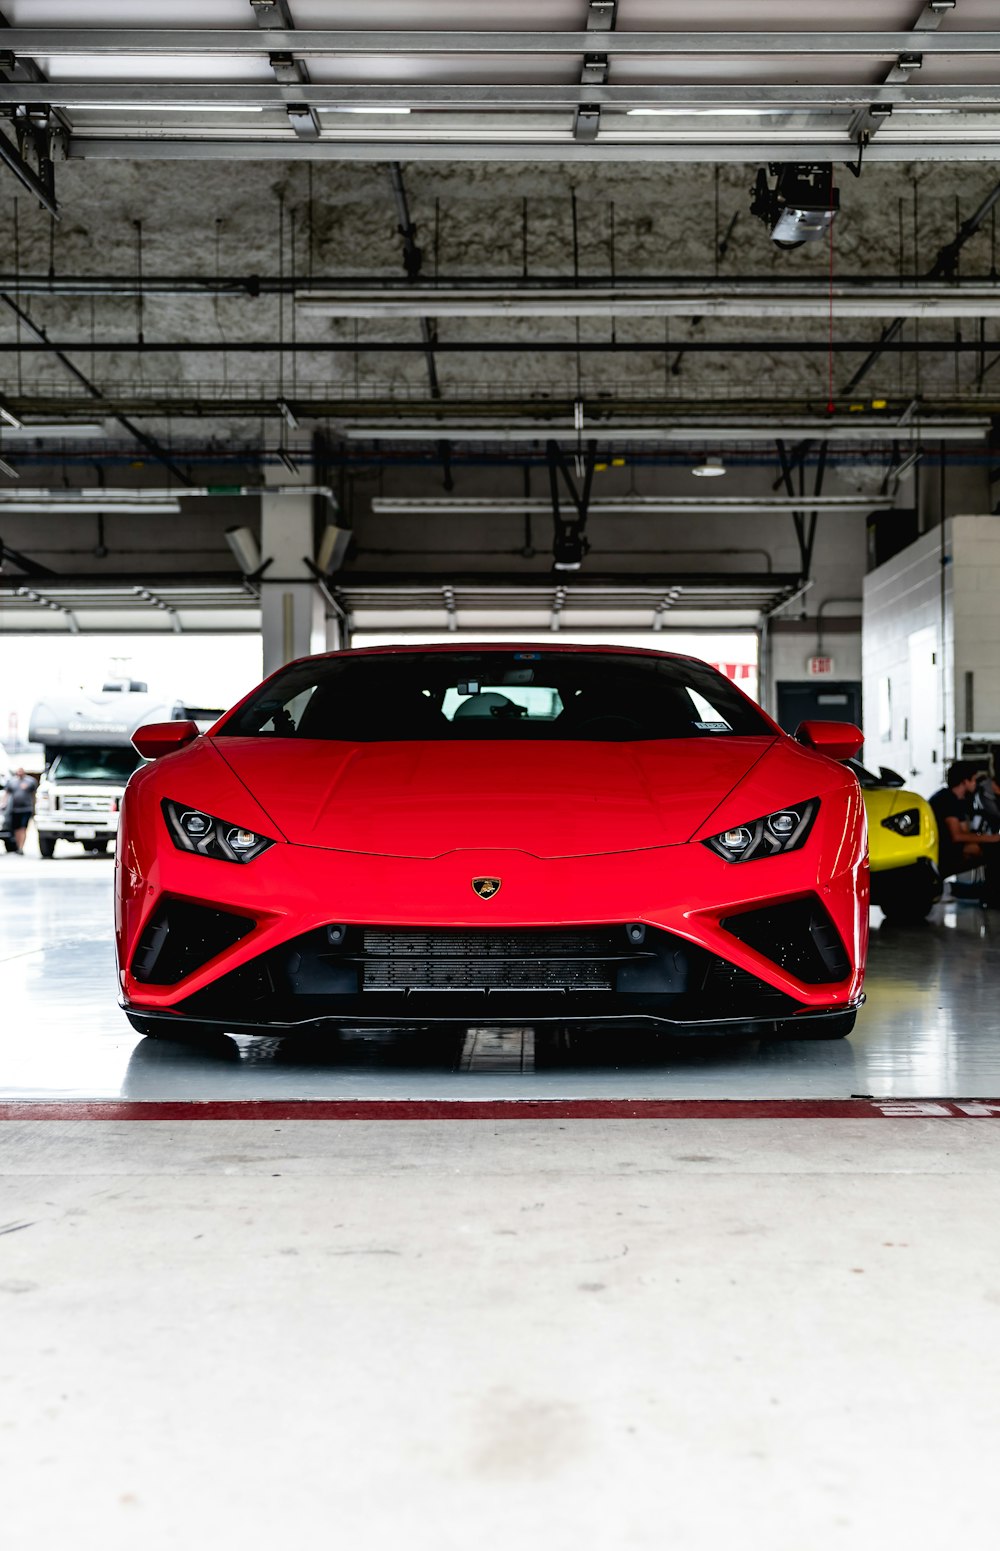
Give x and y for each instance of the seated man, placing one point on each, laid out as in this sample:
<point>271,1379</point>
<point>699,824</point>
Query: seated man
<point>961,849</point>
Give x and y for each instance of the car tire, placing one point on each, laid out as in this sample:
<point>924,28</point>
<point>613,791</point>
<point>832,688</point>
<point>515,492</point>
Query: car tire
<point>47,846</point>
<point>912,910</point>
<point>10,844</point>
<point>96,847</point>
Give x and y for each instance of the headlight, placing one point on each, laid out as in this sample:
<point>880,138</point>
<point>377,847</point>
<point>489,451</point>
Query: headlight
<point>905,823</point>
<point>192,830</point>
<point>783,830</point>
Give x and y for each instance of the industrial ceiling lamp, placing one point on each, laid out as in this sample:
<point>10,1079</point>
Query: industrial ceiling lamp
<point>709,468</point>
<point>802,204</point>
<point>569,547</point>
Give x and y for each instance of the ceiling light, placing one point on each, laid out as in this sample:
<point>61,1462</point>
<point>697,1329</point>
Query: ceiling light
<point>245,549</point>
<point>332,548</point>
<point>374,108</point>
<point>25,433</point>
<point>160,107</point>
<point>60,504</point>
<point>710,468</point>
<point>569,547</point>
<point>801,205</point>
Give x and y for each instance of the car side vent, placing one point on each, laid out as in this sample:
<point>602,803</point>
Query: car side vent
<point>797,935</point>
<point>181,937</point>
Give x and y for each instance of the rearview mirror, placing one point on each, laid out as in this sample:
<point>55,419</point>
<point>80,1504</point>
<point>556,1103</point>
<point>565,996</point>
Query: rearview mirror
<point>158,738</point>
<point>837,740</point>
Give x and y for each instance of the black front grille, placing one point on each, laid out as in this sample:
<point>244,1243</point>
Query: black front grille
<point>735,992</point>
<point>798,935</point>
<point>489,961</point>
<point>411,975</point>
<point>181,937</point>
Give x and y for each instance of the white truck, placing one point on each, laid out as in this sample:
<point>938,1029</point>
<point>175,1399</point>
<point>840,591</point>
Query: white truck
<point>89,758</point>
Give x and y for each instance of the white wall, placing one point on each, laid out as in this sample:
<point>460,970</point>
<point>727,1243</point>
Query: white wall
<point>948,582</point>
<point>975,568</point>
<point>901,598</point>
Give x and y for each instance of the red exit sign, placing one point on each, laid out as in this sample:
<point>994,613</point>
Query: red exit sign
<point>819,667</point>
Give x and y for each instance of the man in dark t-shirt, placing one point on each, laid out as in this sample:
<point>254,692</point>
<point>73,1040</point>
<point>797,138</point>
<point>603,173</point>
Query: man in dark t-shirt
<point>960,849</point>
<point>19,804</point>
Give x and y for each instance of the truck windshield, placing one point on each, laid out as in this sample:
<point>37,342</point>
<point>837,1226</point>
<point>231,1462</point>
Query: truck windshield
<point>111,765</point>
<point>498,696</point>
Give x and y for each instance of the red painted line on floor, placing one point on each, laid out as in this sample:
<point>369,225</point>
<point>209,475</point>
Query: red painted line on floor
<point>504,1109</point>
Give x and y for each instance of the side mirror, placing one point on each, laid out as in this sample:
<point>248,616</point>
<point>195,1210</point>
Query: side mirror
<point>837,740</point>
<point>890,777</point>
<point>158,738</point>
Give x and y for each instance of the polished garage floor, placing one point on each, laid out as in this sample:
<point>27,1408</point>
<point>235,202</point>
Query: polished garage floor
<point>573,1334</point>
<point>931,1027</point>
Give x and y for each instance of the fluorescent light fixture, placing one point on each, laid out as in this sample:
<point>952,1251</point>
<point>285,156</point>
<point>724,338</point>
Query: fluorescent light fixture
<point>11,502</point>
<point>9,417</point>
<point>757,110</point>
<point>711,468</point>
<point>387,108</point>
<point>608,506</point>
<point>5,468</point>
<point>159,107</point>
<point>26,433</point>
<point>836,428</point>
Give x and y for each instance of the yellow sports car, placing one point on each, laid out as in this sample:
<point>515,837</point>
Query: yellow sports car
<point>902,845</point>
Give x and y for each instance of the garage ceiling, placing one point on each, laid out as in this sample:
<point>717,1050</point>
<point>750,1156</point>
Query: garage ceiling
<point>546,79</point>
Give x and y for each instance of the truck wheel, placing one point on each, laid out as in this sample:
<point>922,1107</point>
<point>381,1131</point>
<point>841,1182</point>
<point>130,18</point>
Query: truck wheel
<point>47,846</point>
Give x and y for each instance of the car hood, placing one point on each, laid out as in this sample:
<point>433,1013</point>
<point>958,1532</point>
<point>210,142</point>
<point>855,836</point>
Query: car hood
<point>425,799</point>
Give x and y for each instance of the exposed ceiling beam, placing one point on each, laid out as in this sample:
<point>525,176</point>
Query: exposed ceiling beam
<point>147,96</point>
<point>964,144</point>
<point>382,42</point>
<point>484,347</point>
<point>706,298</point>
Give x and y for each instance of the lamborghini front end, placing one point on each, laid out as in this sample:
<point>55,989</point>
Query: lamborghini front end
<point>745,912</point>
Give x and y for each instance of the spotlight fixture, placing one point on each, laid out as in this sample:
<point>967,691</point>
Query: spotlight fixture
<point>245,549</point>
<point>332,549</point>
<point>802,204</point>
<point>710,468</point>
<point>569,547</point>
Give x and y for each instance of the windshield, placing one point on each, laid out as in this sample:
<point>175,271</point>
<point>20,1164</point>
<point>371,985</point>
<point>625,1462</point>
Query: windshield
<point>112,765</point>
<point>494,696</point>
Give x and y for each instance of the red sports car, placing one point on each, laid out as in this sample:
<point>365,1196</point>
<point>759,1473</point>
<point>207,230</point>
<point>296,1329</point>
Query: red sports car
<point>493,834</point>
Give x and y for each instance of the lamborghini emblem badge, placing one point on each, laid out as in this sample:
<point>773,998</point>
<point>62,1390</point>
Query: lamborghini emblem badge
<point>486,887</point>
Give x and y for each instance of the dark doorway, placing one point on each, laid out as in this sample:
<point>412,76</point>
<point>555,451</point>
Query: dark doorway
<point>839,702</point>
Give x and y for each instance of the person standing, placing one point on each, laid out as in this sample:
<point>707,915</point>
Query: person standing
<point>19,801</point>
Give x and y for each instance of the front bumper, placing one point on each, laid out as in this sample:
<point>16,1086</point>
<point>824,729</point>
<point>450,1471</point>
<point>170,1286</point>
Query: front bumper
<point>79,827</point>
<point>708,962</point>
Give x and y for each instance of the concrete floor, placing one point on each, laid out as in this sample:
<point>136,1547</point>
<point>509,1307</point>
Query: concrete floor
<point>568,1335</point>
<point>441,1335</point>
<point>930,1027</point>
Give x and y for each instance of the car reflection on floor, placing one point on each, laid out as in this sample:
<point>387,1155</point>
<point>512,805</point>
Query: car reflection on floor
<point>374,1064</point>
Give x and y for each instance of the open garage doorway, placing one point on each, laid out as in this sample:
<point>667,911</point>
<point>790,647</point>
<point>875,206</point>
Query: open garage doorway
<point>205,670</point>
<point>733,652</point>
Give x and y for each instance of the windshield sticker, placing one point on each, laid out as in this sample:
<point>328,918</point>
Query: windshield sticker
<point>713,726</point>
